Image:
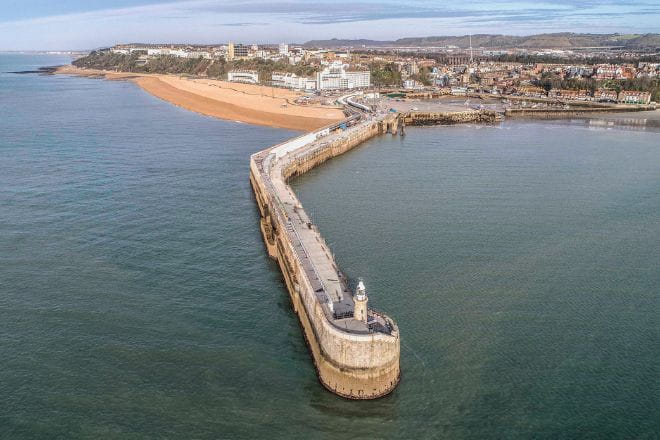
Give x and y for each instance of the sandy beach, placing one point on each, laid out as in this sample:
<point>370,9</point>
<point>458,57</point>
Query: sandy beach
<point>248,103</point>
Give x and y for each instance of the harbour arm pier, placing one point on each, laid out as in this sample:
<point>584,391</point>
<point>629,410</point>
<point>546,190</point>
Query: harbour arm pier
<point>355,349</point>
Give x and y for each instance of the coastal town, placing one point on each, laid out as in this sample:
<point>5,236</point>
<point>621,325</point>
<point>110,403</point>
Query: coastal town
<point>296,219</point>
<point>595,75</point>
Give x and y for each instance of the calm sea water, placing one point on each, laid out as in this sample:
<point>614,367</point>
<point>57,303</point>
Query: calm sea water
<point>136,299</point>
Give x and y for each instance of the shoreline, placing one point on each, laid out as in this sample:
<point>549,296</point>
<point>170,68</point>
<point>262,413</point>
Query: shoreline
<point>275,107</point>
<point>236,102</point>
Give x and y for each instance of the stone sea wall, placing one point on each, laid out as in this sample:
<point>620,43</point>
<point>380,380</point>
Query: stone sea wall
<point>543,113</point>
<point>442,118</point>
<point>352,365</point>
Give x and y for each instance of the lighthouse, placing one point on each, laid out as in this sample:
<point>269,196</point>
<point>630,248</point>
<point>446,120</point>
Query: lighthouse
<point>360,300</point>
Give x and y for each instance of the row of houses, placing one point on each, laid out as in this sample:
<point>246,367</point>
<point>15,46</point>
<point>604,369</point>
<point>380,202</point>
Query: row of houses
<point>634,97</point>
<point>158,51</point>
<point>601,71</point>
<point>233,51</point>
<point>601,95</point>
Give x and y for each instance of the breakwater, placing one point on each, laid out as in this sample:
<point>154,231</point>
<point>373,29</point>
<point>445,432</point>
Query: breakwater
<point>447,118</point>
<point>552,113</point>
<point>355,349</point>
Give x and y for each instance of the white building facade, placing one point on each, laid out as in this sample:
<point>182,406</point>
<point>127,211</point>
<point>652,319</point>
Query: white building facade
<point>293,81</point>
<point>336,76</point>
<point>244,76</point>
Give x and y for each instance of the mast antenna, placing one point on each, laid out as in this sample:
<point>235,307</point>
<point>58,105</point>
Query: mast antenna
<point>471,59</point>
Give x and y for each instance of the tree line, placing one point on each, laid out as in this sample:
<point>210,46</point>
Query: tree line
<point>215,68</point>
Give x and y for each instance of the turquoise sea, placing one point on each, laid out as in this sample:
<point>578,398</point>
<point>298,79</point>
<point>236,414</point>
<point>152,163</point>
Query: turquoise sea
<point>521,262</point>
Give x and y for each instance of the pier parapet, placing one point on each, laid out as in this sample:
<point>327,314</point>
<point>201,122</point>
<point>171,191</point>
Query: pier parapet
<point>355,350</point>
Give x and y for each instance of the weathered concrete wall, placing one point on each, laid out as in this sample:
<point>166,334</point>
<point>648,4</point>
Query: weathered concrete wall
<point>542,113</point>
<point>332,150</point>
<point>353,365</point>
<point>429,118</point>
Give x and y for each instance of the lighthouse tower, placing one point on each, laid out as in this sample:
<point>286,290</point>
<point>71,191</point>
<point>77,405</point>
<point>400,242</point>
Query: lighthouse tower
<point>360,300</point>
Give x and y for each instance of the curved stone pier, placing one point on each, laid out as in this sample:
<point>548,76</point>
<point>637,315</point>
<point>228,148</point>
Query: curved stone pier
<point>354,358</point>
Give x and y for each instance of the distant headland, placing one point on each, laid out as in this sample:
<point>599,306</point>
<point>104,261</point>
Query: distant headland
<point>561,40</point>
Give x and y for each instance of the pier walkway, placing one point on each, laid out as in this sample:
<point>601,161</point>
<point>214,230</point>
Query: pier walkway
<point>329,284</point>
<point>355,349</point>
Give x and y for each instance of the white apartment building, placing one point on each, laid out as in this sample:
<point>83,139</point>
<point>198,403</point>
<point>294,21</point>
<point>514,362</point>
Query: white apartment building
<point>359,79</point>
<point>284,49</point>
<point>335,76</point>
<point>293,81</point>
<point>411,84</point>
<point>199,53</point>
<point>167,51</point>
<point>295,59</point>
<point>126,51</point>
<point>245,76</point>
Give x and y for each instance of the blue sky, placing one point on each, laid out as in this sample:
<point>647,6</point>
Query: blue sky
<point>84,24</point>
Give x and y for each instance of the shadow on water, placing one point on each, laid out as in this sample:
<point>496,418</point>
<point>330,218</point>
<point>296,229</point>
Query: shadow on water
<point>343,410</point>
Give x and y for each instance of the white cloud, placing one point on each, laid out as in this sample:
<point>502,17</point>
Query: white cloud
<point>212,21</point>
